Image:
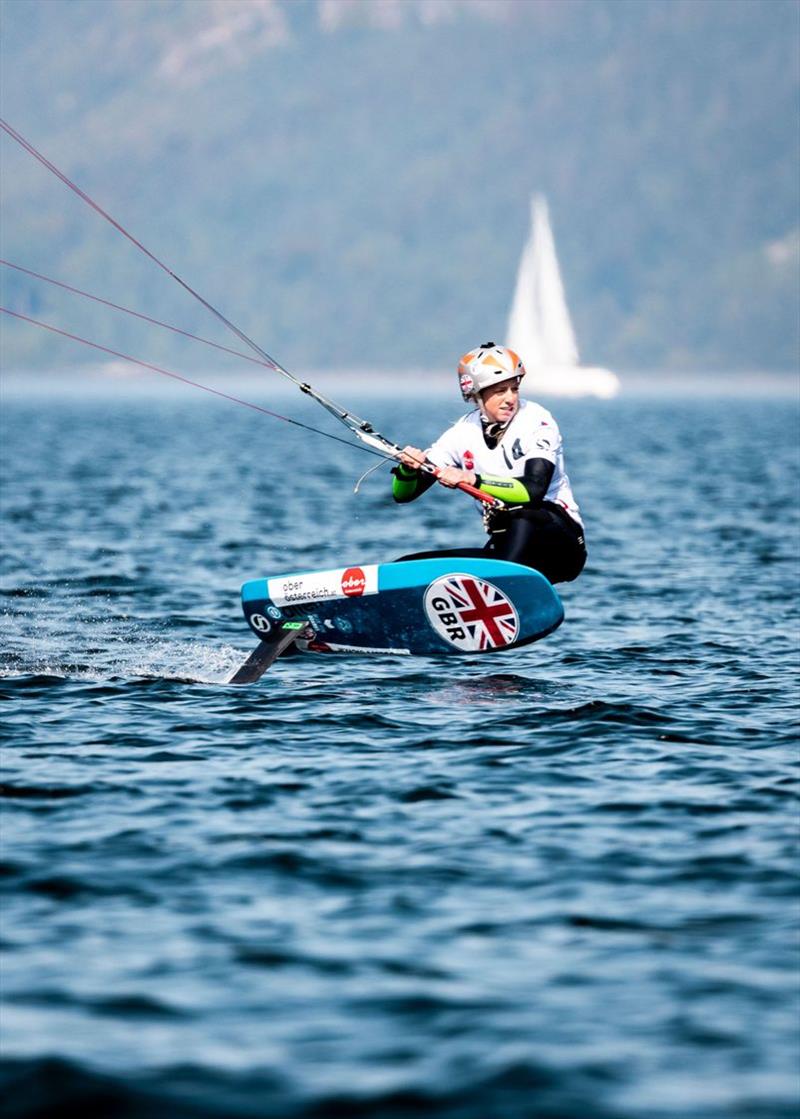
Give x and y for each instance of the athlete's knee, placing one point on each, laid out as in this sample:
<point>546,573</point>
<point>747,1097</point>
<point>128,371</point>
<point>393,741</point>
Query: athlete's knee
<point>571,569</point>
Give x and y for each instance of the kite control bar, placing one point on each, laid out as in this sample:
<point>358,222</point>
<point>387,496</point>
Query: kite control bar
<point>374,439</point>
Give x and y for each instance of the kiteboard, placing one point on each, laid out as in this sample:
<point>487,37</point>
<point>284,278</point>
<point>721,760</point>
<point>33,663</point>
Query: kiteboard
<point>407,608</point>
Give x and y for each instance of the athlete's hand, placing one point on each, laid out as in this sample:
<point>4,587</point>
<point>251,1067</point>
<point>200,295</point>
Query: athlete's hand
<point>452,476</point>
<point>413,457</point>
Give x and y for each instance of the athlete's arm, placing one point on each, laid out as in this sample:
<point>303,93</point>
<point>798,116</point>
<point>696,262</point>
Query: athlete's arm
<point>527,490</point>
<point>409,483</point>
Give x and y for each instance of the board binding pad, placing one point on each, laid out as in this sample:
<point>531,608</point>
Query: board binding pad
<point>419,607</point>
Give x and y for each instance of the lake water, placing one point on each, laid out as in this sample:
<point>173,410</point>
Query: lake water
<point>555,883</point>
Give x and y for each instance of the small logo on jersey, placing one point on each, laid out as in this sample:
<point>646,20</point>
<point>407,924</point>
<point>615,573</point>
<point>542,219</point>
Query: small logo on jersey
<point>354,582</point>
<point>470,613</point>
<point>469,460</point>
<point>516,450</point>
<point>260,623</point>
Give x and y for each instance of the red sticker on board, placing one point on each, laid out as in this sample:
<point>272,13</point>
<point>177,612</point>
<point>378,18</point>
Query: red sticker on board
<point>354,582</point>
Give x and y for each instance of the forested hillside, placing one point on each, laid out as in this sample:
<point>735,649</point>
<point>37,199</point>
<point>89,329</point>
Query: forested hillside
<point>349,180</point>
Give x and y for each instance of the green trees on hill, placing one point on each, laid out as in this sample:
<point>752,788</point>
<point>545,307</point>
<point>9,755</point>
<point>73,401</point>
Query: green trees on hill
<point>355,194</point>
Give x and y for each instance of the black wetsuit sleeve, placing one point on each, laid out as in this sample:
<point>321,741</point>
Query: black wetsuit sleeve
<point>536,478</point>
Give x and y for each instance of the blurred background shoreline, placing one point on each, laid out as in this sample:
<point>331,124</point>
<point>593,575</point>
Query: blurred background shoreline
<point>120,381</point>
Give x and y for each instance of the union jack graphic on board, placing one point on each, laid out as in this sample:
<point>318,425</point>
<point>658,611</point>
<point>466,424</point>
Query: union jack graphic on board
<point>470,613</point>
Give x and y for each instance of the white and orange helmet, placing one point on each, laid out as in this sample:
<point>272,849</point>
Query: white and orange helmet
<point>487,365</point>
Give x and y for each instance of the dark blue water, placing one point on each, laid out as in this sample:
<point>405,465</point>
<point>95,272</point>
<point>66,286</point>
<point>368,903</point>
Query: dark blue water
<point>556,883</point>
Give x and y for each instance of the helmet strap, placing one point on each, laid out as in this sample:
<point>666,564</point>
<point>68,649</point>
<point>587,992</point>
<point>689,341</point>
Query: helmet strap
<point>492,429</point>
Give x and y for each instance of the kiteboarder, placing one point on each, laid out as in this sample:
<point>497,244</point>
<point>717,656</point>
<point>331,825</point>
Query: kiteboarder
<point>511,449</point>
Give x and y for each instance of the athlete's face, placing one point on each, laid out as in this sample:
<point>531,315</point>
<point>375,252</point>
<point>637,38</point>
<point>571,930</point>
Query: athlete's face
<point>501,402</point>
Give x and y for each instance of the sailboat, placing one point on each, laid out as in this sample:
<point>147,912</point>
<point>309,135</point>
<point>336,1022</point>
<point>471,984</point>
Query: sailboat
<point>539,327</point>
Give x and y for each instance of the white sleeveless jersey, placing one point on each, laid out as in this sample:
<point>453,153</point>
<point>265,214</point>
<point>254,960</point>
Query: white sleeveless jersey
<point>533,433</point>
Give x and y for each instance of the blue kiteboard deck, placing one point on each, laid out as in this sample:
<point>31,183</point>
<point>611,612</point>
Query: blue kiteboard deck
<point>420,607</point>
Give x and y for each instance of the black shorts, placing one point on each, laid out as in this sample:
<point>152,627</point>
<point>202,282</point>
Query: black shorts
<point>546,539</point>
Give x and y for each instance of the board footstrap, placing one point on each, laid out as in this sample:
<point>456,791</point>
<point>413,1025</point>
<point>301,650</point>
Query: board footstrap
<point>269,648</point>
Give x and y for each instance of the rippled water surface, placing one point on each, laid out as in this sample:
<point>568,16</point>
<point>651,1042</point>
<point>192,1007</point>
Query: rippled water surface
<point>557,883</point>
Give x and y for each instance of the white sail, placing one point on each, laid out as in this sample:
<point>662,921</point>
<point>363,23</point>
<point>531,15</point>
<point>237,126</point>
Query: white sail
<point>539,326</point>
